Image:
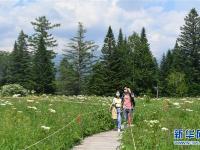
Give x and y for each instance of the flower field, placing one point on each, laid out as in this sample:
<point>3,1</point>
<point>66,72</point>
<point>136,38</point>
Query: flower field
<point>51,122</point>
<point>156,120</point>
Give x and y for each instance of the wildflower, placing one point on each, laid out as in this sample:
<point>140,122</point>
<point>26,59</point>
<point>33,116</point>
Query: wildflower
<point>176,104</point>
<point>154,121</point>
<point>16,95</point>
<point>188,102</point>
<point>8,103</point>
<point>45,128</point>
<point>32,91</point>
<point>164,129</point>
<point>32,107</point>
<point>52,110</point>
<point>188,109</point>
<point>19,111</point>
<point>2,104</point>
<point>30,101</point>
<point>150,125</point>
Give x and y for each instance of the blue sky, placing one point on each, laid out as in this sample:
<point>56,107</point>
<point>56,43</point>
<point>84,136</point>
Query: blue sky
<point>161,18</point>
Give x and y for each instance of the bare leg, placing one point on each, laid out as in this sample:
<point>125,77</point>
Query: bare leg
<point>129,119</point>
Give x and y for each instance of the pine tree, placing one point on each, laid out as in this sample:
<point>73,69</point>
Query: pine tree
<point>79,52</point>
<point>20,67</point>
<point>189,42</point>
<point>134,43</point>
<point>144,64</point>
<point>120,64</point>
<point>4,67</point>
<point>108,61</point>
<point>44,71</point>
<point>177,62</point>
<point>96,80</point>
<point>41,27</point>
<point>66,82</point>
<point>42,44</point>
<point>105,76</point>
<point>165,70</point>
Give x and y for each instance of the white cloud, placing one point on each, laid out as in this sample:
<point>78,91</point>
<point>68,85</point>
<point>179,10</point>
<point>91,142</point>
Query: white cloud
<point>162,26</point>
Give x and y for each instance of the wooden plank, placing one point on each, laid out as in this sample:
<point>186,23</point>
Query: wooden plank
<point>103,141</point>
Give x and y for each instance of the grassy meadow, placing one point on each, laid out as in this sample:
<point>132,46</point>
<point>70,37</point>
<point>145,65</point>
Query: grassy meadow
<point>155,121</point>
<point>64,120</point>
<point>59,122</point>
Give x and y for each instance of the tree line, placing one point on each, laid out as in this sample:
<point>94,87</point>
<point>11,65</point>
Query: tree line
<point>124,61</point>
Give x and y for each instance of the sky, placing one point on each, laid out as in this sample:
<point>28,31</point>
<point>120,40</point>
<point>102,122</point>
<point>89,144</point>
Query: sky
<point>162,19</point>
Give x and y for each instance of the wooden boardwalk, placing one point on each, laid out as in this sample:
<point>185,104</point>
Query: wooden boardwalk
<point>103,141</point>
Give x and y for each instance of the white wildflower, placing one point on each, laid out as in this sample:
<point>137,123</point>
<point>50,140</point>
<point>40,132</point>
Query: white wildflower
<point>16,95</point>
<point>45,128</point>
<point>2,104</point>
<point>8,103</point>
<point>19,111</point>
<point>188,102</point>
<point>188,109</point>
<point>176,104</point>
<point>164,129</point>
<point>32,107</point>
<point>154,121</point>
<point>52,110</point>
<point>30,101</point>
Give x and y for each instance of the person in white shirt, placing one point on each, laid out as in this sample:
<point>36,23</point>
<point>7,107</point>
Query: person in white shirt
<point>117,102</point>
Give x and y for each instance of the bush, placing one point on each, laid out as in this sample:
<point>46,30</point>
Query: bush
<point>12,89</point>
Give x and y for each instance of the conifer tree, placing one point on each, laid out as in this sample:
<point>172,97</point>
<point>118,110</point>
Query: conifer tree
<point>108,61</point>
<point>44,71</point>
<point>189,42</point>
<point>42,44</point>
<point>20,66</point>
<point>66,82</point>
<point>79,53</point>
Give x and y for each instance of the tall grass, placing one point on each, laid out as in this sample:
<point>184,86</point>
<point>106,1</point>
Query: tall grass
<point>24,121</point>
<point>154,123</point>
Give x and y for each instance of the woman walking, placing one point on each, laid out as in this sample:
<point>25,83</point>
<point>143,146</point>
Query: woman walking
<point>127,105</point>
<point>117,103</point>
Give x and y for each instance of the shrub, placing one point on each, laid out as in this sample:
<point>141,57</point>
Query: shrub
<point>12,89</point>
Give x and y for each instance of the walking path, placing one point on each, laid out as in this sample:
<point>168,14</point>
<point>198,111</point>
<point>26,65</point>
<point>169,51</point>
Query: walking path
<point>103,141</point>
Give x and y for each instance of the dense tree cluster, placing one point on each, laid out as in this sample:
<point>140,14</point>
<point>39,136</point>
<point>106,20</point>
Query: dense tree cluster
<point>180,67</point>
<point>125,61</point>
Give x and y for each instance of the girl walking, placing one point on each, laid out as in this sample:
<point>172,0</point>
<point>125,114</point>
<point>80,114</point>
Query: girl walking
<point>117,103</point>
